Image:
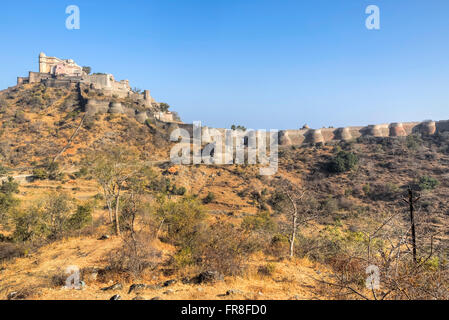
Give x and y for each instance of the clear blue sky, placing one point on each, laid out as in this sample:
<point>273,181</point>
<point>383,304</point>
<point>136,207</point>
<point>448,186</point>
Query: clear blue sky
<point>259,63</point>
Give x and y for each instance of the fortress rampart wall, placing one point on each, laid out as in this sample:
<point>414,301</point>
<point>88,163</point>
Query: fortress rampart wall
<point>327,135</point>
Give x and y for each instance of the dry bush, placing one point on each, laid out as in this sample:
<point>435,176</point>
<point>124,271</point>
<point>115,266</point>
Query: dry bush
<point>279,246</point>
<point>58,280</point>
<point>23,293</point>
<point>387,246</point>
<point>343,263</point>
<point>267,269</point>
<point>136,255</point>
<point>10,250</point>
<point>224,248</point>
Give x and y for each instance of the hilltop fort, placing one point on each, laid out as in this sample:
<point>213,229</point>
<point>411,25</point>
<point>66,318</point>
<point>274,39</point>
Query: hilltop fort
<point>56,72</point>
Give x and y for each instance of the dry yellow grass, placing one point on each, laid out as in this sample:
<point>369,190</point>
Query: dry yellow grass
<point>292,279</point>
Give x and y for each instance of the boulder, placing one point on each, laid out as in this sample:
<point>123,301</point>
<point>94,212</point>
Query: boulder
<point>136,287</point>
<point>208,277</point>
<point>232,292</point>
<point>117,286</point>
<point>168,283</point>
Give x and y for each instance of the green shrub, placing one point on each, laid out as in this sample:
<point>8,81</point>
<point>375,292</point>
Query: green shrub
<point>262,221</point>
<point>238,127</point>
<point>3,171</point>
<point>164,106</point>
<point>81,172</point>
<point>366,189</point>
<point>9,186</point>
<point>29,224</point>
<point>48,171</point>
<point>56,214</point>
<point>98,196</point>
<point>209,198</point>
<point>19,117</point>
<point>183,258</point>
<point>40,173</point>
<point>427,183</point>
<point>7,205</point>
<point>179,191</point>
<point>182,219</point>
<point>49,219</point>
<point>413,141</point>
<point>81,218</point>
<point>344,161</point>
<point>276,200</point>
<point>87,69</point>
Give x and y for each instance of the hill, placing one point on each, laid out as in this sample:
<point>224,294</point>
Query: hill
<point>350,196</point>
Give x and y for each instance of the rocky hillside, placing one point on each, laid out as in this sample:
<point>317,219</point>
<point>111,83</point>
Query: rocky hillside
<point>351,189</point>
<point>38,123</point>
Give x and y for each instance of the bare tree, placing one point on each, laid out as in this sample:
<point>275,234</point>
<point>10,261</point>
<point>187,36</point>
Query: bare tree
<point>113,167</point>
<point>102,172</point>
<point>411,201</point>
<point>401,273</point>
<point>299,208</point>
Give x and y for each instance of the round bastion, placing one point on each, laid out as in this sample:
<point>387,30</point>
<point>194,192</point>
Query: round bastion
<point>397,130</point>
<point>116,107</point>
<point>428,128</point>
<point>315,136</point>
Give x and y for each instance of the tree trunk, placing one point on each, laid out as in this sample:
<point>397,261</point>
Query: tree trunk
<point>294,227</point>
<point>117,203</point>
<point>159,229</point>
<point>412,221</point>
<point>109,204</point>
